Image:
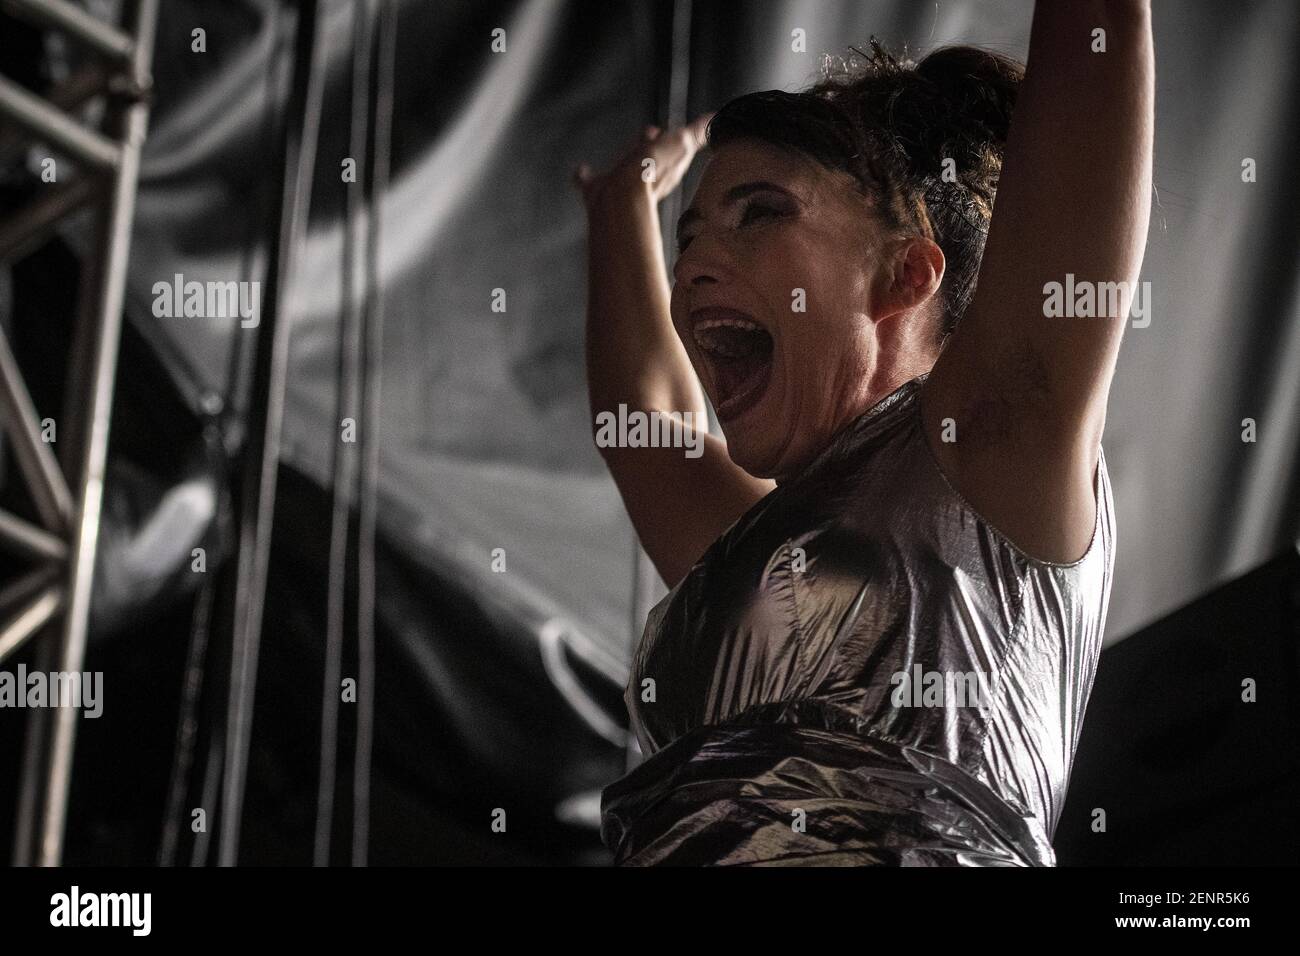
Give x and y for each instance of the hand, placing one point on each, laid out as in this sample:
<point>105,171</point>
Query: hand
<point>670,152</point>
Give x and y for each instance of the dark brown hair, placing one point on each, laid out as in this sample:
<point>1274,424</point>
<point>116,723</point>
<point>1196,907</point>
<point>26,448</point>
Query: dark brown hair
<point>891,123</point>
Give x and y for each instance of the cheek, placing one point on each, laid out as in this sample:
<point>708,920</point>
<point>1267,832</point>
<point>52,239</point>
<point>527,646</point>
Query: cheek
<point>791,265</point>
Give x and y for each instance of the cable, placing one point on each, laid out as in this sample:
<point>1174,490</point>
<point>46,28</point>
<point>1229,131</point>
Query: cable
<point>187,722</point>
<point>374,337</point>
<point>262,450</point>
<point>345,462</point>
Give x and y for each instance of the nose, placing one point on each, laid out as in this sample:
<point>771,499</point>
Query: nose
<point>706,259</point>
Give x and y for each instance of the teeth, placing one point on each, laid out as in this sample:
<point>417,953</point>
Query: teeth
<point>733,323</point>
<point>710,344</point>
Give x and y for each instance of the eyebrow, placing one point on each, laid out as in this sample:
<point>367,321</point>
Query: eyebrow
<point>734,194</point>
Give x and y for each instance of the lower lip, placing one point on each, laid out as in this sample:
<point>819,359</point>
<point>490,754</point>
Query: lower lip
<point>738,404</point>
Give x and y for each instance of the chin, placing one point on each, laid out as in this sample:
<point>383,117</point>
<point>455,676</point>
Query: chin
<point>756,460</point>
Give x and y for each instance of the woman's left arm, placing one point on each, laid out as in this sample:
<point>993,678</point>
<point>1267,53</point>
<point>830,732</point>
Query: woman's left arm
<point>1071,210</point>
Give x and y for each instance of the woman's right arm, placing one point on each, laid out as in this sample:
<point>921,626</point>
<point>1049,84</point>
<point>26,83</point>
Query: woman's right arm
<point>678,504</point>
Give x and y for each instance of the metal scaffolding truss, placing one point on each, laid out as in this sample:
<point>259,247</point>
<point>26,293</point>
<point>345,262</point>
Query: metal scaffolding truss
<point>68,495</point>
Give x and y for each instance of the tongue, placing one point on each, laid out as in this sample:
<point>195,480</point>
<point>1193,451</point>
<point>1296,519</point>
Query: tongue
<point>738,357</point>
<point>732,375</point>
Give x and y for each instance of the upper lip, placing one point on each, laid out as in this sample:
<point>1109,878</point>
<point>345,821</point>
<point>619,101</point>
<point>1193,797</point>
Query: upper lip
<point>706,312</point>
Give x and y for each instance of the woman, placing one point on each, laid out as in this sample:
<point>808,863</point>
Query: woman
<point>889,586</point>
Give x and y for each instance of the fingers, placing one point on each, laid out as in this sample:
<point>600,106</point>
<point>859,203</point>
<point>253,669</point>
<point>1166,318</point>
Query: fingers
<point>697,129</point>
<point>583,176</point>
<point>681,143</point>
<point>673,150</point>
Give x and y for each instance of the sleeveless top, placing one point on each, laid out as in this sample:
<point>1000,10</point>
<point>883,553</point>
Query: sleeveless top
<point>862,670</point>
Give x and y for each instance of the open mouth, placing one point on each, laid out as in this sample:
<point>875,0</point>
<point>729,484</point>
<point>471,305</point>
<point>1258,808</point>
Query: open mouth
<point>739,355</point>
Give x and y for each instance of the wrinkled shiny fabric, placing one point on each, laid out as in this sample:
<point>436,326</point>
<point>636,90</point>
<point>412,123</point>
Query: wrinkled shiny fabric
<point>862,670</point>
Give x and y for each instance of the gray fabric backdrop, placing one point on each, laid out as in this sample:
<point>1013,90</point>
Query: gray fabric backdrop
<point>485,438</point>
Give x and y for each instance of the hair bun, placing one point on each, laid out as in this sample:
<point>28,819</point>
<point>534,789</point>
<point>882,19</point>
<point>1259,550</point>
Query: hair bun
<point>980,85</point>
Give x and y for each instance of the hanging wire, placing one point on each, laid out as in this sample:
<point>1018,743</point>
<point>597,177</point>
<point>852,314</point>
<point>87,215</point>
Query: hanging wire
<point>263,446</point>
<point>218,406</point>
<point>372,389</point>
<point>188,721</point>
<point>208,798</point>
<point>344,466</point>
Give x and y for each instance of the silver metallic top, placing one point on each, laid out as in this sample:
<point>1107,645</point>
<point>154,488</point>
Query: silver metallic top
<point>863,670</point>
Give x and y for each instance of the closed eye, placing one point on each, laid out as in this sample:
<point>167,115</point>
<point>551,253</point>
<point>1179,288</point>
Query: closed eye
<point>755,211</point>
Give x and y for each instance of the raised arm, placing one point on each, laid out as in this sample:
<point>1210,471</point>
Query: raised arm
<point>678,504</point>
<point>1029,387</point>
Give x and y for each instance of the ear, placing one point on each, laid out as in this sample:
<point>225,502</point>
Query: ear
<point>913,274</point>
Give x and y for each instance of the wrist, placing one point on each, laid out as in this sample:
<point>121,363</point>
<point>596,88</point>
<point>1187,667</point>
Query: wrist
<point>623,192</point>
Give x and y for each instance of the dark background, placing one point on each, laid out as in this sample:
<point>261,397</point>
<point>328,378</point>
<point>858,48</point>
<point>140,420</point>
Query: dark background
<point>502,690</point>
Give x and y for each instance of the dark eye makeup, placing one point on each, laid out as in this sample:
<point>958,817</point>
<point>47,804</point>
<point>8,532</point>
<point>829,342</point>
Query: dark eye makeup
<point>754,211</point>
<point>758,210</point>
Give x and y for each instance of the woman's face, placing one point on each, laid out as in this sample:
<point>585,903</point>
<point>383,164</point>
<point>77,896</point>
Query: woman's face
<point>772,298</point>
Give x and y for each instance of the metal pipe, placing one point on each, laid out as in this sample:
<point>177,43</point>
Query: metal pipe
<point>30,619</point>
<point>35,761</point>
<point>85,28</point>
<point>19,590</point>
<point>27,540</point>
<point>111,291</point>
<point>262,450</point>
<point>85,83</point>
<point>45,121</point>
<point>30,226</point>
<point>41,470</point>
